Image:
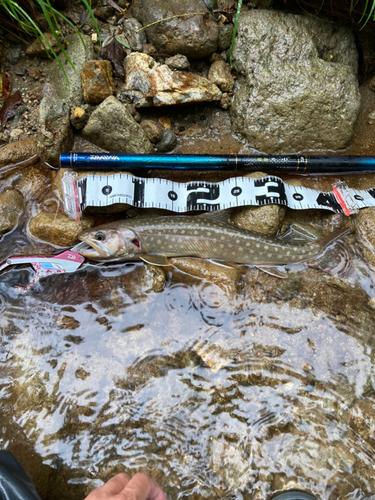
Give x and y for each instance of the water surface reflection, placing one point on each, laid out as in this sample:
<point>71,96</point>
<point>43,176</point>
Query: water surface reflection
<point>212,393</point>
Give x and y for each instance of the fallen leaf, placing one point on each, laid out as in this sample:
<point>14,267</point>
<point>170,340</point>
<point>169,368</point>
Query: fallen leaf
<point>5,87</point>
<point>9,108</point>
<point>114,52</point>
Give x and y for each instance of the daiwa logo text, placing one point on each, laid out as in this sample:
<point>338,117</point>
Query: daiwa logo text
<point>96,157</point>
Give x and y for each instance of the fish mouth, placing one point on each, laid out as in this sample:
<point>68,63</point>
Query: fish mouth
<point>93,249</point>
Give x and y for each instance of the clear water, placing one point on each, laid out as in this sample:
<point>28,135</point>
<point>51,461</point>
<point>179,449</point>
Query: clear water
<point>215,391</point>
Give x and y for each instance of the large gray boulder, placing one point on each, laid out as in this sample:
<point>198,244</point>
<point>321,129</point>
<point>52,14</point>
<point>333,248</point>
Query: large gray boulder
<point>297,87</point>
<point>113,128</point>
<point>194,36</point>
<point>79,53</point>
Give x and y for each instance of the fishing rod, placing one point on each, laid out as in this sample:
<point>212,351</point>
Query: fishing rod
<point>310,164</point>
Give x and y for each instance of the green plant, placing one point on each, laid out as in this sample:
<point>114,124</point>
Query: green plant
<point>22,17</point>
<point>369,15</point>
<point>239,4</point>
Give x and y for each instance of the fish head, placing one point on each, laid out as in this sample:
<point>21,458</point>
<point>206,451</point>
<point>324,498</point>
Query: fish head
<point>110,243</point>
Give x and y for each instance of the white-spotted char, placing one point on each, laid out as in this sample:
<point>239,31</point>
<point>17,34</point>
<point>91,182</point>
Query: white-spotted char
<point>156,238</point>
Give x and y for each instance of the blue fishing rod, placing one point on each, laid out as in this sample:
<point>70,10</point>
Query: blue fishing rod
<point>309,164</point>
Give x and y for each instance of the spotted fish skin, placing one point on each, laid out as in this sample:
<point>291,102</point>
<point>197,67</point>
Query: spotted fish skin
<point>182,236</point>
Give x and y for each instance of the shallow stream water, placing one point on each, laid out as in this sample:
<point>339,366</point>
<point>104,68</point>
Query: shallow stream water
<point>216,390</point>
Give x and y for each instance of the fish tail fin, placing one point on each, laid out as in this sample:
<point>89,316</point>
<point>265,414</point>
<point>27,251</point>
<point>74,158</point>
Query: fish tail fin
<point>333,257</point>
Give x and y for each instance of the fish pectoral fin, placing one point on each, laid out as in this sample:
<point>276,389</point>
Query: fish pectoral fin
<point>279,271</point>
<point>155,260</point>
<point>224,263</point>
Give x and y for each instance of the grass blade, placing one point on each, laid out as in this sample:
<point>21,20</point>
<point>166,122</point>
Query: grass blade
<point>235,31</point>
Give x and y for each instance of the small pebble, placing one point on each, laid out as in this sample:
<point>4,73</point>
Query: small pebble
<point>18,70</point>
<point>168,141</point>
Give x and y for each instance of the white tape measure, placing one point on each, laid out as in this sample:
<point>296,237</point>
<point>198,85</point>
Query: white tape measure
<point>104,190</point>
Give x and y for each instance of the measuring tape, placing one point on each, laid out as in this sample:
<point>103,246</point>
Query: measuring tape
<point>104,190</point>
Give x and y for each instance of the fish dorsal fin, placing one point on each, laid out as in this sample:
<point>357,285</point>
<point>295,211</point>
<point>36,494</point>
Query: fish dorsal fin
<point>278,271</point>
<point>218,215</point>
<point>299,233</point>
<point>155,260</point>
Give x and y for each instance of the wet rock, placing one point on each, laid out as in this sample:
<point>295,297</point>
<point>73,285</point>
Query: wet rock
<point>58,229</point>
<point>19,71</point>
<point>152,278</point>
<point>165,121</point>
<point>97,82</point>
<point>16,133</point>
<point>225,37</point>
<point>152,130</point>
<point>194,36</point>
<point>16,152</point>
<point>34,182</point>
<point>179,62</point>
<point>11,208</point>
<point>231,463</point>
<point>371,118</point>
<point>371,85</point>
<point>284,89</point>
<point>136,40</point>
<point>265,220</point>
<point>365,231</point>
<point>41,48</point>
<point>225,278</point>
<point>149,83</point>
<point>226,100</point>
<point>54,135</point>
<point>220,74</point>
<point>13,54</point>
<point>79,118</point>
<point>168,140</point>
<point>112,128</point>
<point>79,54</point>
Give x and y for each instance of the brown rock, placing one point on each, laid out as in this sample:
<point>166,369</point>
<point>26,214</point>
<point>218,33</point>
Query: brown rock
<point>152,130</point>
<point>11,208</point>
<point>265,220</point>
<point>58,229</point>
<point>79,118</point>
<point>165,122</point>
<point>220,74</point>
<point>149,83</point>
<point>365,231</point>
<point>97,82</point>
<point>40,48</point>
<point>16,152</point>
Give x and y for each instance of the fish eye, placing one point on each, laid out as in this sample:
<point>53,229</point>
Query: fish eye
<point>100,236</point>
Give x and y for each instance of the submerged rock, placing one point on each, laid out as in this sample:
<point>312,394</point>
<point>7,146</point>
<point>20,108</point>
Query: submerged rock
<point>194,36</point>
<point>16,152</point>
<point>298,94</point>
<point>112,128</point>
<point>79,54</point>
<point>149,83</point>
<point>97,82</point>
<point>365,230</point>
<point>152,278</point>
<point>11,208</point>
<point>55,135</point>
<point>58,229</point>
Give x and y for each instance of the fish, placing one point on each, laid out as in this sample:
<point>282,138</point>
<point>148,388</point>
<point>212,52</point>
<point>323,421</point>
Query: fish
<point>154,239</point>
